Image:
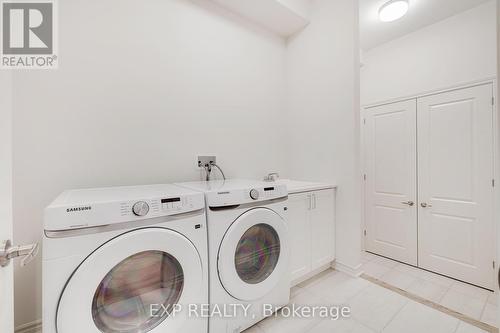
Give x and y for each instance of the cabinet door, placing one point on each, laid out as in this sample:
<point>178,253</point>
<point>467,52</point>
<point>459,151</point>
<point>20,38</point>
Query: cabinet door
<point>322,228</point>
<point>455,144</point>
<point>300,234</point>
<point>391,189</point>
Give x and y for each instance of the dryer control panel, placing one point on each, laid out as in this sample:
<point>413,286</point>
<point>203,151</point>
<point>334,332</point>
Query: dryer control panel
<point>258,193</point>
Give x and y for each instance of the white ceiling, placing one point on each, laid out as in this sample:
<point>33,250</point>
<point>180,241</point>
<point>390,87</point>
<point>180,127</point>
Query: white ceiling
<point>422,13</point>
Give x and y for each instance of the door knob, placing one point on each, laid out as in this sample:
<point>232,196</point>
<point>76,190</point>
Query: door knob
<point>8,252</point>
<point>425,205</point>
<point>409,203</point>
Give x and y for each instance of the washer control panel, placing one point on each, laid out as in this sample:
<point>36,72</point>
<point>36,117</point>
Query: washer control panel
<point>150,208</point>
<point>84,208</point>
<point>140,208</point>
<point>173,204</point>
<point>254,194</point>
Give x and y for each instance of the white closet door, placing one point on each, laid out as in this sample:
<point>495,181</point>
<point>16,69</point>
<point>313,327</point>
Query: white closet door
<point>391,210</point>
<point>455,158</point>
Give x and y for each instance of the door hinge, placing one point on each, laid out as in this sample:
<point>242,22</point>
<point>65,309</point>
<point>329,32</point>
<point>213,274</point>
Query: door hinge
<point>364,177</point>
<point>493,101</point>
<point>493,182</point>
<point>364,121</point>
<point>364,232</point>
<point>494,264</point>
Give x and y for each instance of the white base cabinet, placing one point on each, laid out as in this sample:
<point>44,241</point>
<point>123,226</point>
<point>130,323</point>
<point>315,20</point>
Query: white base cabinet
<point>300,234</point>
<point>311,221</point>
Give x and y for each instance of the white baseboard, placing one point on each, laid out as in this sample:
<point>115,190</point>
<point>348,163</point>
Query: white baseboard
<point>33,327</point>
<point>311,274</point>
<point>352,271</point>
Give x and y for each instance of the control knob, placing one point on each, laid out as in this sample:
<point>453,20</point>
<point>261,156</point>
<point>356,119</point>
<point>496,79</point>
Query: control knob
<point>140,208</point>
<point>254,194</point>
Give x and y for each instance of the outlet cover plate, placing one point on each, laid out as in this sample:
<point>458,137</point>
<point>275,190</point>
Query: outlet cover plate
<point>204,160</point>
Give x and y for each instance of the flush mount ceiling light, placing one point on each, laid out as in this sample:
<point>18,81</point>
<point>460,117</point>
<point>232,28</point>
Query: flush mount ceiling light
<point>393,10</point>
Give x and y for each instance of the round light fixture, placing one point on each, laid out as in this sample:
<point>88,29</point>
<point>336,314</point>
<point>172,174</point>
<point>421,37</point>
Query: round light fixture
<point>393,10</point>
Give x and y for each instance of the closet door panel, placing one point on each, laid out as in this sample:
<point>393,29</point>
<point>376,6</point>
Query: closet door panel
<point>455,170</point>
<point>391,213</point>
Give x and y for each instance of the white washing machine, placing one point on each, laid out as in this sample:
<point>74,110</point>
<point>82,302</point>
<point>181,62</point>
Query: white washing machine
<point>248,251</point>
<point>125,260</point>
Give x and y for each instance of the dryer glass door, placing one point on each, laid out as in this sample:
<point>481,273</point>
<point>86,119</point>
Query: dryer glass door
<point>257,253</point>
<point>253,255</point>
<point>141,281</point>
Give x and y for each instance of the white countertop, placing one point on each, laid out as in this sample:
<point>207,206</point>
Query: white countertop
<point>295,186</point>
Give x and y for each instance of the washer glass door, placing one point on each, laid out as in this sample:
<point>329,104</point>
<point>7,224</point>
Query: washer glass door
<point>141,281</point>
<point>253,255</point>
<point>122,303</point>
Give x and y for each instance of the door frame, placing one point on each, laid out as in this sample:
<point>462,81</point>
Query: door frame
<point>6,193</point>
<point>496,171</point>
<point>496,151</point>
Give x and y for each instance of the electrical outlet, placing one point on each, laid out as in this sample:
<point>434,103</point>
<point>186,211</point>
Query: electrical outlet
<point>204,160</point>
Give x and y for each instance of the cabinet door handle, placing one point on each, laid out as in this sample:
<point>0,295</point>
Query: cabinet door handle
<point>309,197</point>
<point>314,203</point>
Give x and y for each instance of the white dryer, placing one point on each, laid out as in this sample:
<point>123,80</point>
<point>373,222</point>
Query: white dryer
<point>248,251</point>
<point>125,260</point>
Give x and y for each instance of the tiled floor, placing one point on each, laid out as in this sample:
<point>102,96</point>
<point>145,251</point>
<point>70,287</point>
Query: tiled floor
<point>471,301</point>
<point>373,308</point>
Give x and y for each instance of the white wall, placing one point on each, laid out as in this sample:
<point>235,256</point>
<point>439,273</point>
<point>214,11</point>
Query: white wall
<point>455,51</point>
<point>323,104</point>
<point>142,88</point>
<point>302,7</point>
